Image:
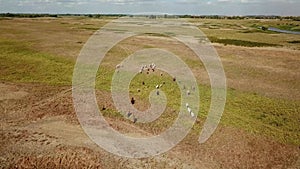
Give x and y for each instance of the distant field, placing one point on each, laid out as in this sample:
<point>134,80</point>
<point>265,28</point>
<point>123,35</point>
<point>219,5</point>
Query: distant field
<point>37,57</point>
<point>250,31</point>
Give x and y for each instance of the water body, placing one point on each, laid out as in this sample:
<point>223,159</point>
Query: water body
<point>283,31</point>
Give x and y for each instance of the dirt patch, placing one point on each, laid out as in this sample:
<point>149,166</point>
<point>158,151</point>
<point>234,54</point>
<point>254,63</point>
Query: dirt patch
<point>232,148</point>
<point>9,92</point>
<point>268,71</point>
<point>64,157</point>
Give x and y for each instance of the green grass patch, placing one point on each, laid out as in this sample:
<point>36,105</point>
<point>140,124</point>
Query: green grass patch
<point>19,63</point>
<point>157,34</point>
<point>294,41</point>
<point>237,42</point>
<point>275,118</point>
<point>270,117</point>
<point>90,28</point>
<point>289,27</point>
<point>258,31</point>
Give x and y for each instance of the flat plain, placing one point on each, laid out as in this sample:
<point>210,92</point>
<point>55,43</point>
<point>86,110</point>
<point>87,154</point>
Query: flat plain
<point>260,126</point>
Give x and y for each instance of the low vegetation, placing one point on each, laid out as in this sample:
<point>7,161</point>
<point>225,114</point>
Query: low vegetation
<point>19,63</point>
<point>275,118</point>
<point>294,41</point>
<point>240,42</point>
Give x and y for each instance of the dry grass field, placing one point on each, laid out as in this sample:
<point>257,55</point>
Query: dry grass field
<point>260,127</point>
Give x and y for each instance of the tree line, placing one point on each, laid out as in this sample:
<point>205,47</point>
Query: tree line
<point>32,15</point>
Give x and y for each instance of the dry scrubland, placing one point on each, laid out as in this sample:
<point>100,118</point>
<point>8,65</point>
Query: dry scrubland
<point>260,127</point>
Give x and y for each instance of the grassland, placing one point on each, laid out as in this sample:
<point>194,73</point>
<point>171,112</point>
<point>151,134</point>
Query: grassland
<point>249,30</point>
<point>240,42</point>
<point>263,98</point>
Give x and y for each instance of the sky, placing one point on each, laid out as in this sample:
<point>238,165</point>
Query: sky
<point>191,7</point>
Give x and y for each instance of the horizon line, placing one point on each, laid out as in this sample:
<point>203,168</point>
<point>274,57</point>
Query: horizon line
<point>132,14</point>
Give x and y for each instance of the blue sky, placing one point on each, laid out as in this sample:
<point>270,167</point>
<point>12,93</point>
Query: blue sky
<point>206,7</point>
